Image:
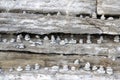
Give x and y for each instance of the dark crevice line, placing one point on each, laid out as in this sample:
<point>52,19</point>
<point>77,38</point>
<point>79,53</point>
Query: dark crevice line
<point>49,54</point>
<point>55,13</point>
<point>55,33</point>
<point>94,37</point>
<point>28,52</point>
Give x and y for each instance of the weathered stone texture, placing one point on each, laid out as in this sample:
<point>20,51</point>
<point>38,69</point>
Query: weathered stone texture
<point>90,49</point>
<point>39,24</point>
<point>108,7</point>
<point>64,6</point>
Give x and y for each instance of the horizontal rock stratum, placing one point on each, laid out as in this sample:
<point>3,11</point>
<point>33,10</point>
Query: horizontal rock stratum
<point>108,7</point>
<point>40,24</point>
<point>45,6</point>
<point>71,7</point>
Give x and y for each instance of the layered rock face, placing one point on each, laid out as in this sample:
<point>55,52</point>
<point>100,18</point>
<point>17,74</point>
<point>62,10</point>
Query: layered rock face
<point>108,7</point>
<point>63,6</point>
<point>56,32</point>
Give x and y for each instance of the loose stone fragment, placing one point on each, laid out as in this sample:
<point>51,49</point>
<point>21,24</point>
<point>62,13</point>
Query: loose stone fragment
<point>100,40</point>
<point>39,41</point>
<point>53,41</point>
<point>102,17</point>
<point>81,41</point>
<point>101,70</point>
<point>73,68</point>
<point>81,16</point>
<point>19,68</point>
<point>46,68</point>
<point>94,15</point>
<point>87,66</point>
<point>46,38</point>
<point>19,38</point>
<point>66,40</point>
<point>4,40</point>
<point>58,39</point>
<point>77,62</point>
<point>55,68</point>
<point>48,15</point>
<point>88,39</point>
<point>28,67</point>
<point>65,68</point>
<point>37,36</point>
<point>109,70</point>
<point>110,18</point>
<point>72,41</point>
<point>27,37</point>
<point>94,68</point>
<point>62,42</point>
<point>116,39</point>
<point>24,12</point>
<point>58,13</point>
<point>37,66</point>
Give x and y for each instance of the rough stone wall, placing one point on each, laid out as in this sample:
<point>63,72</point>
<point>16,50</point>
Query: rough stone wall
<point>43,17</point>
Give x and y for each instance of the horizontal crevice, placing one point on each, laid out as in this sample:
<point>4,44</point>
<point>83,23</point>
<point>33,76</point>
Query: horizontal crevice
<point>61,43</point>
<point>28,52</point>
<point>62,36</point>
<point>61,13</point>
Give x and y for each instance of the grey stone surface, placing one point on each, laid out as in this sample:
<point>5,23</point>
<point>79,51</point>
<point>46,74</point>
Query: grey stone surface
<point>47,75</point>
<point>62,16</point>
<point>44,6</point>
<point>39,24</point>
<point>91,49</point>
<point>108,7</point>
